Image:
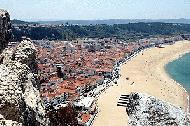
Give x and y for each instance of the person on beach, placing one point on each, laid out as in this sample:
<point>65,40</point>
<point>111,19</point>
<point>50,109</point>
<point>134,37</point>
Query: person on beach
<point>132,83</point>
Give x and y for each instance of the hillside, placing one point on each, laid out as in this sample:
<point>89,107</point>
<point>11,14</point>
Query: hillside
<point>20,22</point>
<point>128,32</point>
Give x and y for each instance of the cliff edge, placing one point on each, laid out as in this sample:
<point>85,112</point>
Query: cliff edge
<point>20,102</point>
<point>145,110</point>
<point>5,29</point>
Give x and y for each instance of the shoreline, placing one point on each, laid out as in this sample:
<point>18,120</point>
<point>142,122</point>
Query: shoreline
<point>141,76</point>
<point>171,59</point>
<point>176,57</point>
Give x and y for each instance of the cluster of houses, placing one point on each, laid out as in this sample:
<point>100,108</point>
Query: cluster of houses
<point>78,71</point>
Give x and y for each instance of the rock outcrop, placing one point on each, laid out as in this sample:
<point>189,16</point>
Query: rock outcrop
<point>5,29</point>
<point>145,110</point>
<point>19,95</point>
<point>4,122</point>
<point>20,102</point>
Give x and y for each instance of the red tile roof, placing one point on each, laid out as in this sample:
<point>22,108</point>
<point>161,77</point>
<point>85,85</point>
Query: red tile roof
<point>85,117</point>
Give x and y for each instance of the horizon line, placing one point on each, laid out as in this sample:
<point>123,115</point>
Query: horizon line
<point>39,20</point>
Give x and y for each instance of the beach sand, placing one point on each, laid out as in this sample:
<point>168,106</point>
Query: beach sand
<point>148,74</point>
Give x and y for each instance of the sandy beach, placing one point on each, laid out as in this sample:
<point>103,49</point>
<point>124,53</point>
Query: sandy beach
<point>146,75</point>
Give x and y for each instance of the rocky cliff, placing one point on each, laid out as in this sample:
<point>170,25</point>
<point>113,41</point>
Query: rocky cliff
<point>19,95</point>
<point>5,29</point>
<point>20,102</point>
<point>145,110</point>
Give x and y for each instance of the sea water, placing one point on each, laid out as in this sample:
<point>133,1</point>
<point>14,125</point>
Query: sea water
<point>179,70</point>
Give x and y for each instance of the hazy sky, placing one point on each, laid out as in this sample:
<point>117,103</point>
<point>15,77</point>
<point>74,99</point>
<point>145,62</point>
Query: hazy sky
<point>96,9</point>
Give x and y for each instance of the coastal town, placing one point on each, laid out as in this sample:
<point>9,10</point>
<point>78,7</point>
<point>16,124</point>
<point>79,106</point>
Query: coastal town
<point>75,72</point>
<point>82,71</point>
<point>79,71</point>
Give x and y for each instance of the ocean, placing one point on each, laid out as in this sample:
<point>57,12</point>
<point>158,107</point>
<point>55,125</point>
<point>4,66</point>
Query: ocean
<point>179,70</point>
